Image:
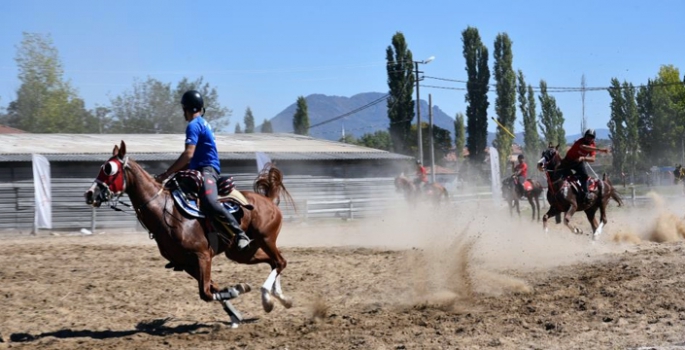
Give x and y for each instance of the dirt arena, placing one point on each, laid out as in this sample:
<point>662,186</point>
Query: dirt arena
<point>465,277</point>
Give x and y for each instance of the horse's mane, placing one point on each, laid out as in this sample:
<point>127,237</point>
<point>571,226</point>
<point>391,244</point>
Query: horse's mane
<point>138,169</point>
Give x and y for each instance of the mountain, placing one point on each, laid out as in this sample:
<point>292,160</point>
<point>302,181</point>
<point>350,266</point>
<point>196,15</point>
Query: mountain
<point>369,120</point>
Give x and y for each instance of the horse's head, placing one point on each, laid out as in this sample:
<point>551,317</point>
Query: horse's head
<point>111,180</point>
<point>550,158</point>
<point>402,183</point>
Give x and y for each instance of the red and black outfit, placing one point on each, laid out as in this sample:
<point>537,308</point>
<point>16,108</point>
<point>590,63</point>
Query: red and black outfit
<point>572,161</point>
<point>521,173</point>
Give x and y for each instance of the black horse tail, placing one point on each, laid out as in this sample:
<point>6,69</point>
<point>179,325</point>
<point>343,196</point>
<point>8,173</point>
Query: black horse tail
<point>613,192</point>
<point>270,185</point>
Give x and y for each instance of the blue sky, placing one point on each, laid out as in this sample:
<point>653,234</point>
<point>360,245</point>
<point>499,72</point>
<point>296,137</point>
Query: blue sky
<point>264,54</point>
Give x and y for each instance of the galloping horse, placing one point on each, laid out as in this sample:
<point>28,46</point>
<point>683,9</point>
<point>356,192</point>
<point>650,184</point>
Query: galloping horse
<point>532,189</point>
<point>434,192</point>
<point>181,239</point>
<point>562,194</point>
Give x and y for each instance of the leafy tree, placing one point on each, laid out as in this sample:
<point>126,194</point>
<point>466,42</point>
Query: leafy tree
<point>378,140</point>
<point>476,55</point>
<point>617,126</point>
<point>301,117</point>
<point>526,98</point>
<point>442,141</point>
<point>459,134</point>
<point>249,121</point>
<point>551,118</point>
<point>266,127</point>
<point>45,102</point>
<point>505,104</point>
<point>237,129</point>
<point>152,106</point>
<point>401,84</point>
<point>349,138</point>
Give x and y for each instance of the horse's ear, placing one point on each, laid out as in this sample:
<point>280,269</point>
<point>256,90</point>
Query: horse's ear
<point>550,145</point>
<point>557,147</point>
<point>122,150</point>
<point>115,151</point>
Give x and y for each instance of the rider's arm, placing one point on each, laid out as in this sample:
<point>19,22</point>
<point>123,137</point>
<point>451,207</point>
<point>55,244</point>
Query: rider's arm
<point>181,162</point>
<point>594,149</point>
<point>588,159</point>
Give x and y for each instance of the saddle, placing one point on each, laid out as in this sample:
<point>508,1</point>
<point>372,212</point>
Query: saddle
<point>527,185</point>
<point>185,187</point>
<point>592,184</point>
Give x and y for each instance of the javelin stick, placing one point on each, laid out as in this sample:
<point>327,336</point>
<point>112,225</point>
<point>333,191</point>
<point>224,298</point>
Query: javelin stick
<point>503,127</point>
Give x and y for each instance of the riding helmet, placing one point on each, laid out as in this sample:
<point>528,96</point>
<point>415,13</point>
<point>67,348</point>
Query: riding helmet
<point>192,101</point>
<point>590,132</point>
<point>521,156</point>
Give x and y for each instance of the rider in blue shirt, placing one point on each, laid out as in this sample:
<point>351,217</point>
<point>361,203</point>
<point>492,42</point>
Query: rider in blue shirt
<point>201,154</point>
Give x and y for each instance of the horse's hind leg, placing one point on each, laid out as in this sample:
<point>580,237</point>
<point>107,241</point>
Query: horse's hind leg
<point>272,285</point>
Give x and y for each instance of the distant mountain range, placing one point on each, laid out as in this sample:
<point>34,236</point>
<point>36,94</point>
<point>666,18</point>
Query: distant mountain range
<point>322,108</point>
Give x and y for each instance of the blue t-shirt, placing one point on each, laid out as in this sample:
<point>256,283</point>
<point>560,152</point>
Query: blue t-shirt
<point>200,134</point>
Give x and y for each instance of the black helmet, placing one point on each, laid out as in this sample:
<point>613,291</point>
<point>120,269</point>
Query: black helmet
<point>418,161</point>
<point>590,132</point>
<point>521,156</point>
<point>192,101</point>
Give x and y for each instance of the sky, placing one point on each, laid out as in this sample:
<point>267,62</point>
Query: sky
<point>264,54</point>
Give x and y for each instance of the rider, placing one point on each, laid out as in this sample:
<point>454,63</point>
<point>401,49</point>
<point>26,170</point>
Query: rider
<point>201,154</point>
<point>421,175</point>
<point>521,172</point>
<point>583,150</point>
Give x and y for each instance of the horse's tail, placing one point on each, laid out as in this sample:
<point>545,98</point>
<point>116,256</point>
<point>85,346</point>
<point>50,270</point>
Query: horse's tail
<point>270,185</point>
<point>614,195</point>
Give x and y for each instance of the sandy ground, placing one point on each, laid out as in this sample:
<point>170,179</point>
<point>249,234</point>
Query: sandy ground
<point>461,277</point>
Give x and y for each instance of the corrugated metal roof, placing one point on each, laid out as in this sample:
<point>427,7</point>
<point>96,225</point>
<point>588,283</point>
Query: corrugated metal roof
<point>144,147</point>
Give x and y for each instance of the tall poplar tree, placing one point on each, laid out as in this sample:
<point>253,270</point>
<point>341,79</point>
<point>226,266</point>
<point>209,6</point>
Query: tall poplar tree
<point>476,55</point>
<point>400,68</point>
<point>267,127</point>
<point>526,98</point>
<point>551,118</point>
<point>505,103</point>
<point>301,117</point>
<point>459,134</point>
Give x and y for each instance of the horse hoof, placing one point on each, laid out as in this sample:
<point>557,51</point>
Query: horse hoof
<point>287,302</point>
<point>267,302</point>
<point>243,288</point>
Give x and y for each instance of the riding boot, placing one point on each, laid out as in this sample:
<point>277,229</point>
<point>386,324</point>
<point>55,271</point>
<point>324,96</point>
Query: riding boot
<point>584,189</point>
<point>243,240</point>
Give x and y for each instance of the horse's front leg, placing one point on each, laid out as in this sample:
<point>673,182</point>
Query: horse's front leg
<point>568,216</point>
<point>551,212</point>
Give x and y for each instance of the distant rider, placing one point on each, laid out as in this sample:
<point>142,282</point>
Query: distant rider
<point>521,172</point>
<point>421,176</point>
<point>583,150</point>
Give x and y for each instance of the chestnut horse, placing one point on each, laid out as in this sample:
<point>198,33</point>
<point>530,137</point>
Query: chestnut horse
<point>512,193</point>
<point>562,194</point>
<point>679,175</point>
<point>181,239</point>
<point>434,192</point>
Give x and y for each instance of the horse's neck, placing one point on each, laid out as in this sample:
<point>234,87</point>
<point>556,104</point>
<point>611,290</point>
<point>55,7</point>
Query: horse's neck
<point>140,186</point>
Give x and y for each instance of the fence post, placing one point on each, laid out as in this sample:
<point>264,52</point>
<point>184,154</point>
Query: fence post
<point>632,195</point>
<point>351,208</point>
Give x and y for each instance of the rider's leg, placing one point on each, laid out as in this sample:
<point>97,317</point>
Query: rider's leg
<point>211,201</point>
<point>582,175</point>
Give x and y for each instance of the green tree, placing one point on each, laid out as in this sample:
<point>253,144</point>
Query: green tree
<point>526,98</point>
<point>249,121</point>
<point>349,138</point>
<point>152,106</point>
<point>442,141</point>
<point>378,140</point>
<point>505,104</point>
<point>400,103</point>
<point>237,130</point>
<point>266,127</point>
<point>551,118</point>
<point>45,102</point>
<point>617,127</point>
<point>476,55</point>
<point>301,117</point>
<point>459,134</point>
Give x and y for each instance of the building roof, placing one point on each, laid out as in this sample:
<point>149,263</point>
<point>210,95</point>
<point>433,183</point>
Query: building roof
<point>10,130</point>
<point>87,147</point>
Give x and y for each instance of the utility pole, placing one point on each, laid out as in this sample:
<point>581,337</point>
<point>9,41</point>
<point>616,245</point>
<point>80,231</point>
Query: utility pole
<point>419,138</point>
<point>430,136</point>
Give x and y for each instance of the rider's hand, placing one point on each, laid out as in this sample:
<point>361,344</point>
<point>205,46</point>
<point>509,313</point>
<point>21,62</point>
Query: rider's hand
<point>161,177</point>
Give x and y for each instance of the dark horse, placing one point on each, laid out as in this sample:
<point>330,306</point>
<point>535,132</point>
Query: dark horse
<point>679,175</point>
<point>532,190</point>
<point>562,194</point>
<point>181,239</point>
<point>433,192</point>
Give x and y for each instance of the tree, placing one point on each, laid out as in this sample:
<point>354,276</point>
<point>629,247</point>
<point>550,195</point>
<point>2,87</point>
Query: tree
<point>401,85</point>
<point>301,117</point>
<point>152,106</point>
<point>237,129</point>
<point>45,102</point>
<point>266,127</point>
<point>617,126</point>
<point>526,97</point>
<point>249,121</point>
<point>349,138</point>
<point>442,141</point>
<point>505,104</point>
<point>476,55</point>
<point>459,134</point>
<point>378,140</point>
<point>551,118</point>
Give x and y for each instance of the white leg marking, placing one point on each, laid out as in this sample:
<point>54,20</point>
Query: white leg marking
<point>278,294</point>
<point>267,303</point>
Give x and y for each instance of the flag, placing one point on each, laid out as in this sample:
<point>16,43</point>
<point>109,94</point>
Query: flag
<point>43,192</point>
<point>262,161</point>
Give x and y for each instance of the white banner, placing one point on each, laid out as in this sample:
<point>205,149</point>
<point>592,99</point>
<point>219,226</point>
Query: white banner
<point>262,161</point>
<point>43,192</point>
<point>494,171</point>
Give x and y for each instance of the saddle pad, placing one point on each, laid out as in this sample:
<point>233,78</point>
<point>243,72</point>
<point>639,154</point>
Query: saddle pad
<point>190,206</point>
<point>527,186</point>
